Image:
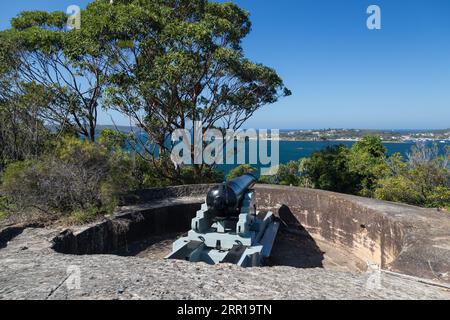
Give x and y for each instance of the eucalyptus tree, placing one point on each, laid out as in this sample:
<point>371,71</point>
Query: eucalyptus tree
<point>177,62</point>
<point>41,52</point>
<point>23,134</point>
<point>165,64</point>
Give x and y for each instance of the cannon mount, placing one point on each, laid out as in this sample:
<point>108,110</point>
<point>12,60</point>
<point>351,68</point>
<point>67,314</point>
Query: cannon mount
<point>229,229</point>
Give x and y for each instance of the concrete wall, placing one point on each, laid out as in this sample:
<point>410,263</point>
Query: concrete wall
<point>109,236</point>
<point>397,237</point>
<point>145,213</point>
<point>371,236</point>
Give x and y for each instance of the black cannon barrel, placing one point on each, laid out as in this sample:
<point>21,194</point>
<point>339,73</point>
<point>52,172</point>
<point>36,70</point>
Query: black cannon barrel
<point>225,200</point>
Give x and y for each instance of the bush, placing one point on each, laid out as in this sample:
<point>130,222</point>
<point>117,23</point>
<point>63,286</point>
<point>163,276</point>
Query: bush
<point>4,208</point>
<point>329,170</point>
<point>399,189</point>
<point>241,170</point>
<point>367,163</point>
<point>423,180</point>
<point>82,177</point>
<point>439,197</point>
<point>288,174</point>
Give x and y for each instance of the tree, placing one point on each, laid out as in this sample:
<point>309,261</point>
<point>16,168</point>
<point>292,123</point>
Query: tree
<point>39,51</point>
<point>329,169</point>
<point>178,62</point>
<point>355,170</point>
<point>424,179</point>
<point>367,160</point>
<point>22,133</point>
<point>241,170</point>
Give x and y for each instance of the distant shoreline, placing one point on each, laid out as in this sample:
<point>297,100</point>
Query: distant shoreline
<point>356,140</point>
<point>400,136</point>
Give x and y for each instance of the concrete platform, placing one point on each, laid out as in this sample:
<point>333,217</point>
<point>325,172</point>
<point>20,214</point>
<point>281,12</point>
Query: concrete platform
<point>323,252</point>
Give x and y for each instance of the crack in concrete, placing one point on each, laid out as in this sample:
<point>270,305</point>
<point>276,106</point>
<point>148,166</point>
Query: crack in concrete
<point>416,279</point>
<point>57,287</point>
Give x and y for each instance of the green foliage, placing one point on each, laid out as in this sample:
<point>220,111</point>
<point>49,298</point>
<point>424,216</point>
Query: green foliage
<point>22,134</point>
<point>4,207</point>
<point>82,177</point>
<point>178,62</point>
<point>407,190</point>
<point>43,19</point>
<point>423,180</point>
<point>208,175</point>
<point>286,175</point>
<point>113,139</point>
<point>355,170</point>
<point>159,172</point>
<point>68,65</point>
<point>80,217</point>
<point>399,189</point>
<point>367,161</point>
<point>164,63</point>
<point>439,197</point>
<point>329,170</point>
<point>366,170</point>
<point>241,170</point>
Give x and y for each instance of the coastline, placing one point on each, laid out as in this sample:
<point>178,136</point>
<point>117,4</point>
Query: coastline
<point>356,140</point>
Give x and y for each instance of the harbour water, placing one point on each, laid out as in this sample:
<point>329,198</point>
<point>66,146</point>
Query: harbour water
<point>295,150</point>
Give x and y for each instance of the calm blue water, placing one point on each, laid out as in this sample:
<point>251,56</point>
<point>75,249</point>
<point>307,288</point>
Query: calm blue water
<point>295,150</point>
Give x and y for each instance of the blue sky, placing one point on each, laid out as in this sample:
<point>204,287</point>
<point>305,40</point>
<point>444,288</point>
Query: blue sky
<point>341,74</point>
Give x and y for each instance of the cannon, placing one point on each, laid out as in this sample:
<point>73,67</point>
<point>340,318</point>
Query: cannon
<point>229,228</point>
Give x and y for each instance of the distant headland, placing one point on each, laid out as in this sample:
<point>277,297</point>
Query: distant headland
<point>393,136</point>
<point>442,135</point>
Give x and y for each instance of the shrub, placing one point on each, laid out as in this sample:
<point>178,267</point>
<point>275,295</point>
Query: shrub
<point>367,163</point>
<point>82,177</point>
<point>288,174</point>
<point>423,180</point>
<point>208,175</point>
<point>285,175</point>
<point>241,170</point>
<point>329,170</point>
<point>399,189</point>
<point>4,208</point>
<point>439,197</point>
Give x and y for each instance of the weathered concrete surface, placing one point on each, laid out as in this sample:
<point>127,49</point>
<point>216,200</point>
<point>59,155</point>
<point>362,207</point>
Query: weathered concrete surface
<point>398,237</point>
<point>401,238</point>
<point>131,223</point>
<point>30,269</point>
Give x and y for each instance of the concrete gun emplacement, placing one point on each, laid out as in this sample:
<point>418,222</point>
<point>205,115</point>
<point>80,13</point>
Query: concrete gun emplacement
<point>228,228</point>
